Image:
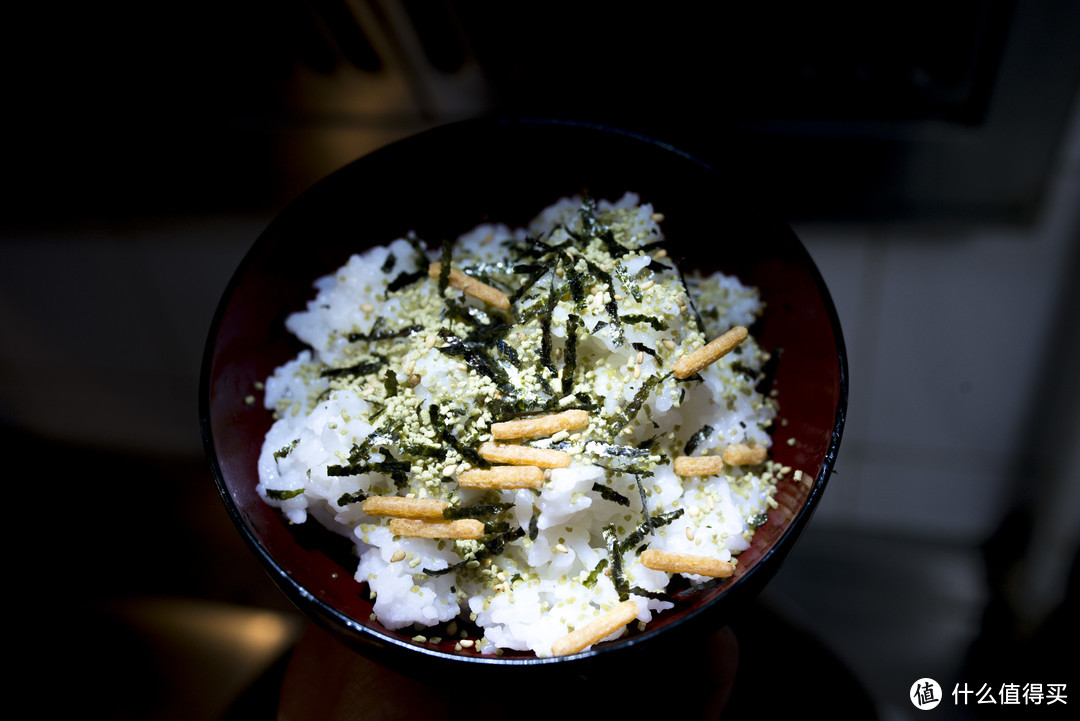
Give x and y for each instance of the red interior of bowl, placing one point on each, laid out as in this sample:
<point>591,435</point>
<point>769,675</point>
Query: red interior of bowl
<point>441,184</point>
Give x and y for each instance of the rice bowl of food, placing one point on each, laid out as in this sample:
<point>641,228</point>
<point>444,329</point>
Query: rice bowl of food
<point>522,394</point>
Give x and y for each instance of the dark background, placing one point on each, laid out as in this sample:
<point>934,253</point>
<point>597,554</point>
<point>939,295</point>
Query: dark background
<point>925,152</point>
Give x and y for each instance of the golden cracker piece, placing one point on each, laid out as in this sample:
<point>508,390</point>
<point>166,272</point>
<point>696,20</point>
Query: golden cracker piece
<point>596,630</point>
<point>741,454</point>
<point>502,477</point>
<point>516,455</point>
<point>698,465</point>
<point>685,563</point>
<point>401,507</point>
<point>464,528</point>
<point>540,426</point>
<point>708,354</point>
<point>471,286</point>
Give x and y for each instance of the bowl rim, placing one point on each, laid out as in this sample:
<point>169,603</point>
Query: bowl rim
<point>393,649</point>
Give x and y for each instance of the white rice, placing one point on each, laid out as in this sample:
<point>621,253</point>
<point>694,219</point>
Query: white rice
<point>555,573</point>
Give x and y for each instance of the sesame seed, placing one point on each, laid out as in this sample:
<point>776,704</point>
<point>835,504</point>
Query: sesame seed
<point>689,533</point>
<point>669,344</point>
<point>367,307</point>
<point>398,556</point>
<point>648,284</point>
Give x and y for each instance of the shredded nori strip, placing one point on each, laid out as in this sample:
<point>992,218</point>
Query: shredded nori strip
<point>659,595</point>
<point>360,369</point>
<point>757,520</point>
<point>630,410</point>
<point>612,306</point>
<point>628,283</point>
<point>657,323</point>
<point>647,526</point>
<point>536,274</point>
<point>474,355</point>
<point>577,285</point>
<point>648,351</point>
<point>389,466</point>
<point>444,265</point>
<point>594,574</point>
<point>390,384</point>
<point>617,450</point>
<point>347,498</point>
<point>493,547</point>
<point>286,450</point>
<point>477,510</point>
<point>610,494</point>
<point>696,439</point>
<point>618,578</point>
<point>405,279</point>
<point>377,333</point>
<point>690,300</point>
<point>418,451</point>
<point>545,329</point>
<point>450,439</point>
<point>282,495</point>
<point>507,350</point>
<point>388,264</point>
<point>570,354</point>
<point>593,227</point>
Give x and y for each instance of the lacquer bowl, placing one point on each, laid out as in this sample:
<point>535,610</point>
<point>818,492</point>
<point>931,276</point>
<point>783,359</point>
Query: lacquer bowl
<point>439,184</point>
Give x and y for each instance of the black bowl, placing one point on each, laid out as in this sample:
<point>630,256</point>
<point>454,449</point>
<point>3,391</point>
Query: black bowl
<point>441,183</point>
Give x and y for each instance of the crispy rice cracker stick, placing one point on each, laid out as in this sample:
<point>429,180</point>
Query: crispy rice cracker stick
<point>698,465</point>
<point>516,455</point>
<point>596,630</point>
<point>502,477</point>
<point>708,354</point>
<point>401,507</point>
<point>471,286</point>
<point>685,563</point>
<point>540,426</point>
<point>465,528</point>
<point>741,454</point>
